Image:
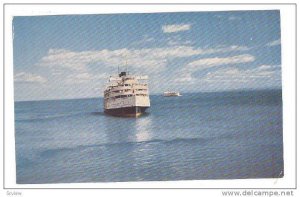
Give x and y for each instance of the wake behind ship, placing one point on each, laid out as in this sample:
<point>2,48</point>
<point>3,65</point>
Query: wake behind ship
<point>126,96</point>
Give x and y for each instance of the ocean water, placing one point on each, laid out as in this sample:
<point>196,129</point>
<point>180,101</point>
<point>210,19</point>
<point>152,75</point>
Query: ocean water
<point>225,135</point>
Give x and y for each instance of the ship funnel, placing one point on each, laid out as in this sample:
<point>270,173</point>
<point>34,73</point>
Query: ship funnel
<point>122,74</point>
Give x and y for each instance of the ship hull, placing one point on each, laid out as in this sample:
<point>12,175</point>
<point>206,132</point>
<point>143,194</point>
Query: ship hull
<point>126,111</point>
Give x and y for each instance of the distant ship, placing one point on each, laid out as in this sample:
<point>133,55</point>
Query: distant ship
<point>171,94</point>
<point>126,96</point>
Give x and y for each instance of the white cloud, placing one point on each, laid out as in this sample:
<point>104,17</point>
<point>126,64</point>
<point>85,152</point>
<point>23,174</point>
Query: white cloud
<point>72,67</point>
<point>274,43</point>
<point>184,77</point>
<point>79,78</point>
<point>230,18</point>
<point>217,61</point>
<point>225,49</point>
<point>235,74</point>
<point>24,77</point>
<point>175,28</point>
<point>64,58</point>
<point>265,67</point>
<point>176,40</point>
<point>185,73</point>
<point>139,58</point>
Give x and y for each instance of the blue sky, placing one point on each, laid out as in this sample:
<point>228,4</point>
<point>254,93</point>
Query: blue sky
<point>72,56</point>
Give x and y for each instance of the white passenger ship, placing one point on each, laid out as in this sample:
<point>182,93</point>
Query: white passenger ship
<point>126,96</point>
<point>171,94</point>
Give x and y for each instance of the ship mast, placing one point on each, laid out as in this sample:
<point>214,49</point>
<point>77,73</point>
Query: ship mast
<point>126,65</point>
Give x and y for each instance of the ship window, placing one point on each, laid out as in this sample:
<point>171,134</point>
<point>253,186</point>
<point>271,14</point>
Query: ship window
<point>120,96</point>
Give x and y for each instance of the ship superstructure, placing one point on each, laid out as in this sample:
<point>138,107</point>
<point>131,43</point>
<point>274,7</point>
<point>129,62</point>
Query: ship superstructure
<point>126,95</point>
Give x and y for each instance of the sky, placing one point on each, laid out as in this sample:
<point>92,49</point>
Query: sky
<point>72,56</point>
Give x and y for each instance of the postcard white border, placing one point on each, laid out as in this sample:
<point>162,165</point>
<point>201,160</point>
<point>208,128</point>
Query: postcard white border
<point>288,76</point>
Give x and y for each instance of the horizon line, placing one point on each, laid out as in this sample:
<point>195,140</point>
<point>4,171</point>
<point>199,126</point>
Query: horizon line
<point>156,94</point>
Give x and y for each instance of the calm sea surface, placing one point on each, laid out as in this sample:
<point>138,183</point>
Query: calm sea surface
<point>225,135</point>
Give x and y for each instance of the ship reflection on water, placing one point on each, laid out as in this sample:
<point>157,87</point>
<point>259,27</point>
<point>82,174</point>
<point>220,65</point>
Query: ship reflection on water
<point>120,130</point>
